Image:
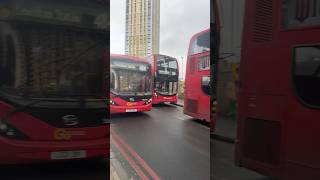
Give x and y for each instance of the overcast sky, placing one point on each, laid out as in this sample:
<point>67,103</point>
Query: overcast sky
<point>179,20</point>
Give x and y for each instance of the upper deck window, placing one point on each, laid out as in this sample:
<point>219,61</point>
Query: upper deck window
<point>201,44</point>
<point>300,13</point>
<point>167,66</point>
<point>204,63</point>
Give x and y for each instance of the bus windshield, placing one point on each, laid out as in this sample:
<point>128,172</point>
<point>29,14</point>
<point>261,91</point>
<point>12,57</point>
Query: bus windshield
<point>130,78</point>
<point>49,50</point>
<point>43,61</point>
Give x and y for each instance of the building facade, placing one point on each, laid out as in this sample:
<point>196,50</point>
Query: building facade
<point>142,27</point>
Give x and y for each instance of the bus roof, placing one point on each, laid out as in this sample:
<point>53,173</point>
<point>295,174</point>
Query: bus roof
<point>200,33</point>
<point>164,55</point>
<point>134,58</point>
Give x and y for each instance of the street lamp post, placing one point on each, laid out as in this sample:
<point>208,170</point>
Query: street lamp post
<point>182,67</point>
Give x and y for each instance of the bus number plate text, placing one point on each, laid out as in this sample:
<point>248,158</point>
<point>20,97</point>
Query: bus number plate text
<point>68,155</point>
<point>131,110</point>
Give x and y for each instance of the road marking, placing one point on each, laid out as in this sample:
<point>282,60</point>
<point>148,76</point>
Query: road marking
<point>134,154</point>
<point>130,161</point>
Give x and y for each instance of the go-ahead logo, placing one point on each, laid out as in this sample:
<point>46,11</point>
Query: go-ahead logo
<point>131,103</point>
<point>62,134</point>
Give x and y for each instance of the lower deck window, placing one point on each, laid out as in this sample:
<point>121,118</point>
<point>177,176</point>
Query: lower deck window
<point>205,84</point>
<point>306,74</point>
<point>166,87</point>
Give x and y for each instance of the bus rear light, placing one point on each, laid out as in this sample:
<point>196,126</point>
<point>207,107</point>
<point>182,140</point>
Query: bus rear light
<point>8,131</point>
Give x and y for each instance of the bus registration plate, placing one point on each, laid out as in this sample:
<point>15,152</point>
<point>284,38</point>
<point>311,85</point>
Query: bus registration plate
<point>131,110</point>
<point>68,155</point>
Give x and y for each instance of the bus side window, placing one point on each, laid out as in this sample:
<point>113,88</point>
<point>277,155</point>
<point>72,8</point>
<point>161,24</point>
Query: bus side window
<point>306,74</point>
<point>299,13</point>
<point>205,84</point>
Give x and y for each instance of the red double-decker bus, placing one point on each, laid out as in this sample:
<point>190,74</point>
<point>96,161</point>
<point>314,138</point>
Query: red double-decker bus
<point>197,82</point>
<point>166,79</point>
<point>130,84</point>
<point>278,116</point>
<point>51,80</point>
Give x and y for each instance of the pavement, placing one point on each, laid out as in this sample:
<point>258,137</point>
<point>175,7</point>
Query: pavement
<point>226,129</point>
<point>161,144</point>
<point>224,167</point>
<point>222,153</point>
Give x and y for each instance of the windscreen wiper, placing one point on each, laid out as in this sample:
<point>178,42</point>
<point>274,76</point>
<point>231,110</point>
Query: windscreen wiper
<point>24,107</point>
<point>75,57</point>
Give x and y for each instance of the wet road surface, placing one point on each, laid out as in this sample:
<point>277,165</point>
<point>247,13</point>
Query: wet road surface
<point>73,170</point>
<point>164,143</point>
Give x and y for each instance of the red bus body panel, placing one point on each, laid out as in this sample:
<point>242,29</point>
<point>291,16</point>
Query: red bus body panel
<point>41,140</point>
<point>196,102</point>
<point>22,152</point>
<point>122,105</point>
<point>164,99</point>
<point>277,134</point>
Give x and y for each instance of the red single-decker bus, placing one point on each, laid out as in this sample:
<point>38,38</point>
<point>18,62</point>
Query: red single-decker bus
<point>130,84</point>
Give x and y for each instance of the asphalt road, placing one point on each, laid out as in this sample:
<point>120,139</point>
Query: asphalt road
<point>173,145</point>
<point>74,170</point>
<point>224,167</point>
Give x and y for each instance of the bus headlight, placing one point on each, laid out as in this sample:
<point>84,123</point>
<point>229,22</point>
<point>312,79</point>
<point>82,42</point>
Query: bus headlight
<point>155,95</point>
<point>112,102</point>
<point>8,131</point>
<point>147,101</point>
